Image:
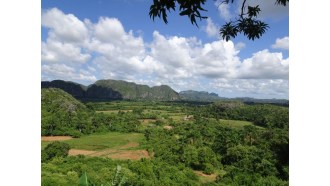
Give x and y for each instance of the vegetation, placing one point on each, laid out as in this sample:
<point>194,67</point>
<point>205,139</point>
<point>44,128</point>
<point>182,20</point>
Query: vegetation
<point>114,90</point>
<point>187,143</point>
<point>246,22</point>
<point>61,114</point>
<point>55,149</point>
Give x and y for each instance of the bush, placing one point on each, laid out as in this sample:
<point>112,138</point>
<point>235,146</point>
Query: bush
<point>55,149</point>
<point>208,168</point>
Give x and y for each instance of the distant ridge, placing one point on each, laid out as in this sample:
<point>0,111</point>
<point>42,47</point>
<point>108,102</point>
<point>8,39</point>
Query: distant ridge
<point>107,90</point>
<point>114,90</point>
<point>192,95</point>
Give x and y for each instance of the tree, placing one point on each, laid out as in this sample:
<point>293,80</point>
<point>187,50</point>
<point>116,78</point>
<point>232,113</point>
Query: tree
<point>55,149</point>
<point>246,22</point>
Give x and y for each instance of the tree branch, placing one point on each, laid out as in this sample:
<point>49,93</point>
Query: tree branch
<point>242,9</point>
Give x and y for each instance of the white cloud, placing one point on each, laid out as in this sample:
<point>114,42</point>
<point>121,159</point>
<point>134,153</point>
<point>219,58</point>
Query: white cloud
<point>264,65</point>
<point>64,27</point>
<point>109,30</point>
<point>55,51</point>
<point>104,50</point>
<point>217,59</point>
<point>58,71</point>
<point>211,29</point>
<point>261,88</point>
<point>282,43</point>
<point>239,45</point>
<point>223,9</point>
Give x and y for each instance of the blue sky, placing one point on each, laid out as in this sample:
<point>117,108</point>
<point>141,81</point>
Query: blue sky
<point>84,41</point>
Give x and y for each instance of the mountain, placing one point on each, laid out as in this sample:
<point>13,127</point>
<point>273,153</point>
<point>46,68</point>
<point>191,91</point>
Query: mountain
<point>191,95</point>
<point>107,90</point>
<point>114,90</point>
<point>75,89</point>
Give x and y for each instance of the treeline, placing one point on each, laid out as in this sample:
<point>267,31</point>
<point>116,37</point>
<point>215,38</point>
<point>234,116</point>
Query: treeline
<point>264,115</point>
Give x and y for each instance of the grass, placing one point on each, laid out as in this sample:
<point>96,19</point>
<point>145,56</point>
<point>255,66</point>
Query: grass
<point>96,142</point>
<point>237,124</point>
<point>112,111</point>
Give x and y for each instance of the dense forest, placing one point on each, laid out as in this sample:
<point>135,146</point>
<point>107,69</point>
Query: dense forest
<point>187,143</point>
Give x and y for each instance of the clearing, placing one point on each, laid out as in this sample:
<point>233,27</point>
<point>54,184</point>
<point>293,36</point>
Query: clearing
<point>113,145</point>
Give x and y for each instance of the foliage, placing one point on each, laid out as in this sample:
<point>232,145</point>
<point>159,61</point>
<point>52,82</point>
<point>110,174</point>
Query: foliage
<point>61,114</point>
<point>55,149</point>
<point>222,139</point>
<point>246,22</point>
<point>83,180</point>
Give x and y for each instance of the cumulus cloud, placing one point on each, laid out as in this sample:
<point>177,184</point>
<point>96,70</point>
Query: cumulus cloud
<point>55,51</point>
<point>58,71</point>
<point>264,65</point>
<point>281,43</point>
<point>261,88</point>
<point>84,51</point>
<point>64,27</point>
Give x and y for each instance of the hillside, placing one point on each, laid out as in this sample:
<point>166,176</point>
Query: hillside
<point>75,89</point>
<point>191,95</point>
<point>61,113</point>
<point>133,91</point>
<point>114,90</point>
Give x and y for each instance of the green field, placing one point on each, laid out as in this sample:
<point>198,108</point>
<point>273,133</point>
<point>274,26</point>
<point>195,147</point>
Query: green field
<point>235,123</point>
<point>96,142</point>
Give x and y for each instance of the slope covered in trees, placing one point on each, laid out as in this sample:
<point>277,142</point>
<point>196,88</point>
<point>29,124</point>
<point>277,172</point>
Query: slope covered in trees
<point>62,114</point>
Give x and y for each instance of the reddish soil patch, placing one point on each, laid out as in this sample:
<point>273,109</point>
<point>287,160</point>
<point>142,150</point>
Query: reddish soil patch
<point>211,176</point>
<point>130,145</point>
<point>111,153</point>
<point>104,152</point>
<point>121,153</point>
<point>55,138</point>
<point>130,154</point>
<point>75,152</point>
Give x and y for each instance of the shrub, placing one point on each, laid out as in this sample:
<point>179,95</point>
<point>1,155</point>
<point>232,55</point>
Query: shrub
<point>55,149</point>
<point>208,168</point>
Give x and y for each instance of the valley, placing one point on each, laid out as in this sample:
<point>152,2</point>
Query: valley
<point>224,142</point>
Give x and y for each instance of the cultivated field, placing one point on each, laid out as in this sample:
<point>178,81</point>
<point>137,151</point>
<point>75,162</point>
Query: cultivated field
<point>113,145</point>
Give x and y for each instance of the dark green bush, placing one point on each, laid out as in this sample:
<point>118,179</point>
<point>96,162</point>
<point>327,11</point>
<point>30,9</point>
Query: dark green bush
<point>55,149</point>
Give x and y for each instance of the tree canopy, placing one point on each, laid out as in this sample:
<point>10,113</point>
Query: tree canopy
<point>246,22</point>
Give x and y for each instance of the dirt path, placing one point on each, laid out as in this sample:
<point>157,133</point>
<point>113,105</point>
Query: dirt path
<point>75,152</point>
<point>211,177</point>
<point>130,145</point>
<point>122,153</point>
<point>55,138</point>
<point>130,154</point>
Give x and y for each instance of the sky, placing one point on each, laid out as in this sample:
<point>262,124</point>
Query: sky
<point>85,41</point>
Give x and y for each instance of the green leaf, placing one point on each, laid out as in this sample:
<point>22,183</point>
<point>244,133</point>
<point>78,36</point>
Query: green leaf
<point>83,180</point>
